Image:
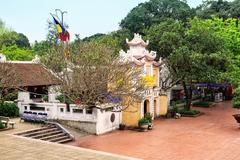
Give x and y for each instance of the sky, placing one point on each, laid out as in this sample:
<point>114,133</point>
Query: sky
<point>85,17</point>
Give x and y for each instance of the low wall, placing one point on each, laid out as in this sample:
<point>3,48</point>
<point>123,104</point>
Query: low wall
<point>89,127</point>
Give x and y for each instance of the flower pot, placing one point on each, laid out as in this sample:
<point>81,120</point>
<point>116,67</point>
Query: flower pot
<point>122,126</point>
<point>150,126</point>
<point>144,127</point>
<point>237,117</point>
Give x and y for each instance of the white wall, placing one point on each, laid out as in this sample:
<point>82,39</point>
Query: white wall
<point>102,118</point>
<point>104,123</point>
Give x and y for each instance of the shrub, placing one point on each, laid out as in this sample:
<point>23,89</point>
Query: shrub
<point>148,116</point>
<point>9,110</point>
<point>201,104</point>
<point>188,112</point>
<point>1,125</point>
<point>45,98</point>
<point>11,96</point>
<point>236,99</point>
<point>61,99</point>
<point>143,121</point>
<point>175,109</point>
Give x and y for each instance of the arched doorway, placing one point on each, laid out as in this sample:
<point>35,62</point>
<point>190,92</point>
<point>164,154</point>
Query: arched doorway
<point>146,107</point>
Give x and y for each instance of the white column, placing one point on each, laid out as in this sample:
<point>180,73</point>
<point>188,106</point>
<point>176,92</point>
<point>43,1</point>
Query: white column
<point>152,102</point>
<point>142,108</point>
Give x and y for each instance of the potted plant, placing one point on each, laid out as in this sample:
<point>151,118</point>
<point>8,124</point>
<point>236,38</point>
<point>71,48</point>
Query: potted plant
<point>122,126</point>
<point>143,124</point>
<point>149,117</point>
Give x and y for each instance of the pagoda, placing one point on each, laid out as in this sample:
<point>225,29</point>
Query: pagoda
<point>152,102</point>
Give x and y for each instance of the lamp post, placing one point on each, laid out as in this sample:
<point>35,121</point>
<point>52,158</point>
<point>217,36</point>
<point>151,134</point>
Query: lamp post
<point>62,13</point>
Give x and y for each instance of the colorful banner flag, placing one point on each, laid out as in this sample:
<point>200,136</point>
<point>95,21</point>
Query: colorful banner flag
<point>63,33</point>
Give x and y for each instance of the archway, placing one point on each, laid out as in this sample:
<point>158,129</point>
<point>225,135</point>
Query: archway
<point>146,107</point>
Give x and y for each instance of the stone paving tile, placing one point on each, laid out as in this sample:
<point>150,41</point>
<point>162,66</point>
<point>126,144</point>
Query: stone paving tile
<point>19,148</point>
<point>212,136</point>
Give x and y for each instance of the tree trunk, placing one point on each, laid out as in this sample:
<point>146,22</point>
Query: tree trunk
<point>188,96</point>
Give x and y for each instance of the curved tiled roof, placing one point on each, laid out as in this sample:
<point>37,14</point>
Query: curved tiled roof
<point>31,74</point>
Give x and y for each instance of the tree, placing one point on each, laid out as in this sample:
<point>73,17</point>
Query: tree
<point>204,58</point>
<point>95,75</point>
<point>14,38</point>
<point>15,53</point>
<point>41,48</point>
<point>217,9</point>
<point>165,37</point>
<point>3,28</point>
<point>155,11</point>
<point>235,10</point>
<point>8,79</point>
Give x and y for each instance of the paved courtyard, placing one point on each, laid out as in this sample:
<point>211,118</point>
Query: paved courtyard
<point>212,136</point>
<point>16,148</point>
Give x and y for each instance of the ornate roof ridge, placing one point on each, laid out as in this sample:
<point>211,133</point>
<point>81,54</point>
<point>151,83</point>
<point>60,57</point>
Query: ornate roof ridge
<point>137,40</point>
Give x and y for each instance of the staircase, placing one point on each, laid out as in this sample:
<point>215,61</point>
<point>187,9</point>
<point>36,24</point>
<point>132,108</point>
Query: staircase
<point>52,132</point>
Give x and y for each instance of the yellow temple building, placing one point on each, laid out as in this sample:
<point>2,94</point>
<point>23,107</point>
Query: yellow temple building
<point>152,102</point>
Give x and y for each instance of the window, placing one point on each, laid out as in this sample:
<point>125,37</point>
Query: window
<point>34,107</point>
<point>25,107</point>
<point>148,71</point>
<point>89,111</point>
<point>61,109</point>
<point>77,111</point>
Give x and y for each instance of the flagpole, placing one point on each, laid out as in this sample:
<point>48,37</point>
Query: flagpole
<point>63,50</point>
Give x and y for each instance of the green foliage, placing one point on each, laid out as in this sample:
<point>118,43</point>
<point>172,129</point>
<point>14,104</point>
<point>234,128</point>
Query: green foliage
<point>1,125</point>
<point>143,121</point>
<point>236,99</point>
<point>148,116</point>
<point>214,8</point>
<point>45,98</point>
<point>153,12</point>
<point>201,104</point>
<point>61,98</point>
<point>11,96</point>
<point>13,38</point>
<point>3,28</point>
<point>175,109</point>
<point>165,37</point>
<point>15,53</point>
<point>9,110</point>
<point>41,48</point>
<point>188,112</point>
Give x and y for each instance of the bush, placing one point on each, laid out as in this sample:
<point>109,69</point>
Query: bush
<point>236,99</point>
<point>61,99</point>
<point>188,112</point>
<point>9,110</point>
<point>45,98</point>
<point>148,116</point>
<point>11,96</point>
<point>201,104</point>
<point>143,121</point>
<point>175,109</point>
<point>1,125</point>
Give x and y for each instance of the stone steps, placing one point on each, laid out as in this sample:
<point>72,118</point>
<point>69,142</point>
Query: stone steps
<point>51,133</point>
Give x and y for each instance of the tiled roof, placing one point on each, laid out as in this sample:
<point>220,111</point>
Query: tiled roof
<point>31,74</point>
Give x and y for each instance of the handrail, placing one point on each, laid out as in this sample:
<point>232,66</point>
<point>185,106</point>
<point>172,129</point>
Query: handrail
<point>61,127</point>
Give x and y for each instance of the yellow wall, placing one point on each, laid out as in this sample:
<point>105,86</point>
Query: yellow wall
<point>156,74</point>
<point>163,105</point>
<point>132,114</point>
